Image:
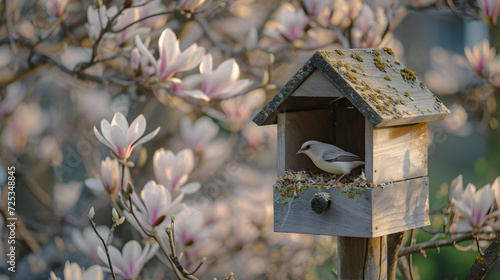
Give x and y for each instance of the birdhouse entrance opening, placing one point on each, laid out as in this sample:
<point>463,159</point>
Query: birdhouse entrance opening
<point>340,124</point>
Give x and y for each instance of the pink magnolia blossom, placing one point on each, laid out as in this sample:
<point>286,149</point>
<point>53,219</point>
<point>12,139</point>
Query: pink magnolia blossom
<point>189,225</point>
<point>140,63</point>
<point>237,110</point>
<point>98,19</point>
<point>56,7</point>
<point>190,5</point>
<point>122,138</point>
<point>292,22</point>
<point>153,7</point>
<point>131,260</point>
<point>474,205</point>
<point>72,271</point>
<point>220,83</point>
<point>480,56</point>
<point>369,27</point>
<point>173,170</point>
<point>88,242</point>
<point>129,31</point>
<point>171,59</point>
<point>111,176</point>
<point>152,208</point>
<point>198,134</point>
<point>490,9</point>
<point>315,7</point>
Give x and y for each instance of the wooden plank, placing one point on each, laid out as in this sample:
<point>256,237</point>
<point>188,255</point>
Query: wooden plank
<point>365,213</point>
<point>317,85</point>
<point>369,150</point>
<point>362,258</point>
<point>399,153</point>
<point>349,128</point>
<point>281,143</point>
<point>412,202</point>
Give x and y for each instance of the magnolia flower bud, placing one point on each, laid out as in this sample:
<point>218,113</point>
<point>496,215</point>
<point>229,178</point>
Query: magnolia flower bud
<point>115,215</point>
<point>91,213</point>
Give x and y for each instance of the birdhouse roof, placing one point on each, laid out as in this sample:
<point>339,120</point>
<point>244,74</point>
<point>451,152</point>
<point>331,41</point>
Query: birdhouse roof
<point>373,80</point>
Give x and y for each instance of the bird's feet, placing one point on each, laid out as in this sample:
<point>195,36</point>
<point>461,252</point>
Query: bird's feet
<point>335,182</point>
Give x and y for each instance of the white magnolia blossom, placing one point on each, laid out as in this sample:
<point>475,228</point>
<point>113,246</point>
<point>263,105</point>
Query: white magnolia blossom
<point>480,56</point>
<point>198,134</point>
<point>122,138</point>
<point>474,204</point>
<point>172,170</point>
<point>88,242</point>
<point>131,260</point>
<point>171,60</point>
<point>152,207</point>
<point>223,82</point>
<point>72,271</point>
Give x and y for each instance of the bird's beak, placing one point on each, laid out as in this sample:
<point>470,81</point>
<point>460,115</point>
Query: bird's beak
<point>300,152</point>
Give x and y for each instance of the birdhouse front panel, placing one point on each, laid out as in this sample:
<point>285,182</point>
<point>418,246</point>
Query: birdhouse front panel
<point>374,111</point>
<point>395,153</point>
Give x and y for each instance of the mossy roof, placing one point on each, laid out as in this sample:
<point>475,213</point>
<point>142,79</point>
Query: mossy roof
<point>373,80</point>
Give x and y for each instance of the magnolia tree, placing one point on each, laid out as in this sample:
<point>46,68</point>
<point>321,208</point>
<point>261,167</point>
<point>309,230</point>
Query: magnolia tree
<point>128,147</point>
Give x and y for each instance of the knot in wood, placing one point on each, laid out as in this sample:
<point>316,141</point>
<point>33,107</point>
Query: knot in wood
<point>320,201</point>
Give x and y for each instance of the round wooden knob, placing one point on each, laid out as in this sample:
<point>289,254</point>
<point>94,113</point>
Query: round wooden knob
<point>320,201</point>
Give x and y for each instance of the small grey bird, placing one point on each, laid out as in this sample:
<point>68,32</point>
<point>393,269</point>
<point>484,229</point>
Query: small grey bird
<point>330,158</point>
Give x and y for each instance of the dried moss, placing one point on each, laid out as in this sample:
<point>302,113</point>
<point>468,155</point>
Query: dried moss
<point>389,51</point>
<point>408,75</point>
<point>378,90</point>
<point>339,52</point>
<point>388,78</point>
<point>376,52</point>
<point>397,62</point>
<point>422,85</point>
<point>357,57</point>
<point>408,95</point>
<point>379,64</point>
<point>352,77</point>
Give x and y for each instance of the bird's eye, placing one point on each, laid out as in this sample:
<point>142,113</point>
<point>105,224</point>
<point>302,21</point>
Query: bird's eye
<point>308,146</point>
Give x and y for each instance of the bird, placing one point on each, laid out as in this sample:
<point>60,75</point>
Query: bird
<point>330,158</point>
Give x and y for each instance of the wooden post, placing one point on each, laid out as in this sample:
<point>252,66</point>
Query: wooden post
<point>362,258</point>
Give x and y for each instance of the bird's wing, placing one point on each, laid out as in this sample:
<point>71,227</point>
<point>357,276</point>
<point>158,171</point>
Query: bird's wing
<point>340,155</point>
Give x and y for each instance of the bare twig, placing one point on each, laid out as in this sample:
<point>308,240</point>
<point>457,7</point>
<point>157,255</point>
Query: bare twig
<point>105,247</point>
<point>434,244</point>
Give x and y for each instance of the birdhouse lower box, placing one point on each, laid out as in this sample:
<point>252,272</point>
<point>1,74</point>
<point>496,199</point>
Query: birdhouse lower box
<point>354,211</point>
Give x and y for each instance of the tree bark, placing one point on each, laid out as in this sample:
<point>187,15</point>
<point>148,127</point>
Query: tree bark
<point>483,264</point>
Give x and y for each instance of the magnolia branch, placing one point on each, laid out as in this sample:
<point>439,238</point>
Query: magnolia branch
<point>418,248</point>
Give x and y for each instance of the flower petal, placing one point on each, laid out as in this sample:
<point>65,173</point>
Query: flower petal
<point>191,187</point>
<point>146,138</point>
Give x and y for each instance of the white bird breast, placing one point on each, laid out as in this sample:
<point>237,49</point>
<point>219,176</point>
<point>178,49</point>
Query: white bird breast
<point>337,167</point>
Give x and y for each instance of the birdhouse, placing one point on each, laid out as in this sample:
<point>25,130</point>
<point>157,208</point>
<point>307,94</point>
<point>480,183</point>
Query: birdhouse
<point>366,102</point>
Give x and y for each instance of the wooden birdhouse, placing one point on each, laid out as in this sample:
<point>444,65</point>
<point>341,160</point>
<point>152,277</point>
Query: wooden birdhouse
<point>367,102</point>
